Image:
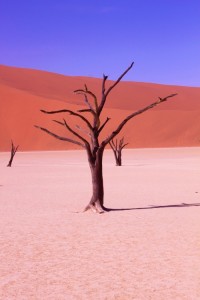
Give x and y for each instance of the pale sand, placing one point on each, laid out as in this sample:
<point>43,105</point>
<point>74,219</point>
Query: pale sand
<point>149,252</point>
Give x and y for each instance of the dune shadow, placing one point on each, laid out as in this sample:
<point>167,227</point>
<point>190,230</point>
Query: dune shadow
<point>155,206</point>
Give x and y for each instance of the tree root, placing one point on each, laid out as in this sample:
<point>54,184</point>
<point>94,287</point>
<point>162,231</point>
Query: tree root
<point>95,208</point>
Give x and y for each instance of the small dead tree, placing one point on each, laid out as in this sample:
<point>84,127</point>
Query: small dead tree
<point>93,146</point>
<point>12,153</point>
<point>117,148</point>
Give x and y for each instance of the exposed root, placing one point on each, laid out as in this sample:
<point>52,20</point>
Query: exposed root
<point>95,208</point>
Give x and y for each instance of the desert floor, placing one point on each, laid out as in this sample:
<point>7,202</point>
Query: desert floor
<point>148,248</point>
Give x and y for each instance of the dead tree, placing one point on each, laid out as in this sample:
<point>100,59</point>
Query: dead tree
<point>92,144</point>
<point>117,149</point>
<point>12,153</point>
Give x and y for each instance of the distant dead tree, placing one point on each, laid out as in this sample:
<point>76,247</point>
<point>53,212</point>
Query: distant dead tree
<point>117,148</point>
<point>92,143</point>
<point>12,153</point>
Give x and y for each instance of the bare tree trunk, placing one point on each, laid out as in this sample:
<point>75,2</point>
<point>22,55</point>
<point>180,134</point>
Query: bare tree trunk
<point>116,157</point>
<point>119,159</point>
<point>12,154</point>
<point>96,203</point>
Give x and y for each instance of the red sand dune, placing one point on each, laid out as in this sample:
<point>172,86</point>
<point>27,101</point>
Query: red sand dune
<point>24,92</point>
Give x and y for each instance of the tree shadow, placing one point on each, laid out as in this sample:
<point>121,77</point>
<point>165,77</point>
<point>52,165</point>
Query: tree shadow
<point>135,165</point>
<point>155,206</point>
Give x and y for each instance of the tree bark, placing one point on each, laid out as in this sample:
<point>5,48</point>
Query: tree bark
<point>96,203</point>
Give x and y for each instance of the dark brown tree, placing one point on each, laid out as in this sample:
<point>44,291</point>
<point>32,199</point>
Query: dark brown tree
<point>12,153</point>
<point>117,148</point>
<point>93,146</point>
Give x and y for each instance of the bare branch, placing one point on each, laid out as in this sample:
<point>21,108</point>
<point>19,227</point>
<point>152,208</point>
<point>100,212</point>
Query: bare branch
<point>77,126</point>
<point>88,103</point>
<point>71,112</point>
<point>93,111</point>
<point>59,122</point>
<point>103,84</point>
<point>64,123</point>
<point>72,131</point>
<point>112,145</point>
<point>103,125</point>
<point>95,100</point>
<point>84,110</point>
<point>121,125</point>
<point>55,111</point>
<point>120,143</point>
<point>76,134</point>
<point>119,79</point>
<point>124,145</point>
<point>93,96</point>
<point>14,148</point>
<point>84,93</point>
<point>60,137</point>
<point>105,94</point>
<point>83,130</point>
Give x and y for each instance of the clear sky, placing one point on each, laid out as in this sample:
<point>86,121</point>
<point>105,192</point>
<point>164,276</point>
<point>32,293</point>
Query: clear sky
<point>92,37</point>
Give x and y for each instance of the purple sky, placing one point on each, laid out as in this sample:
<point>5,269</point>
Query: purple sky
<point>92,37</point>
